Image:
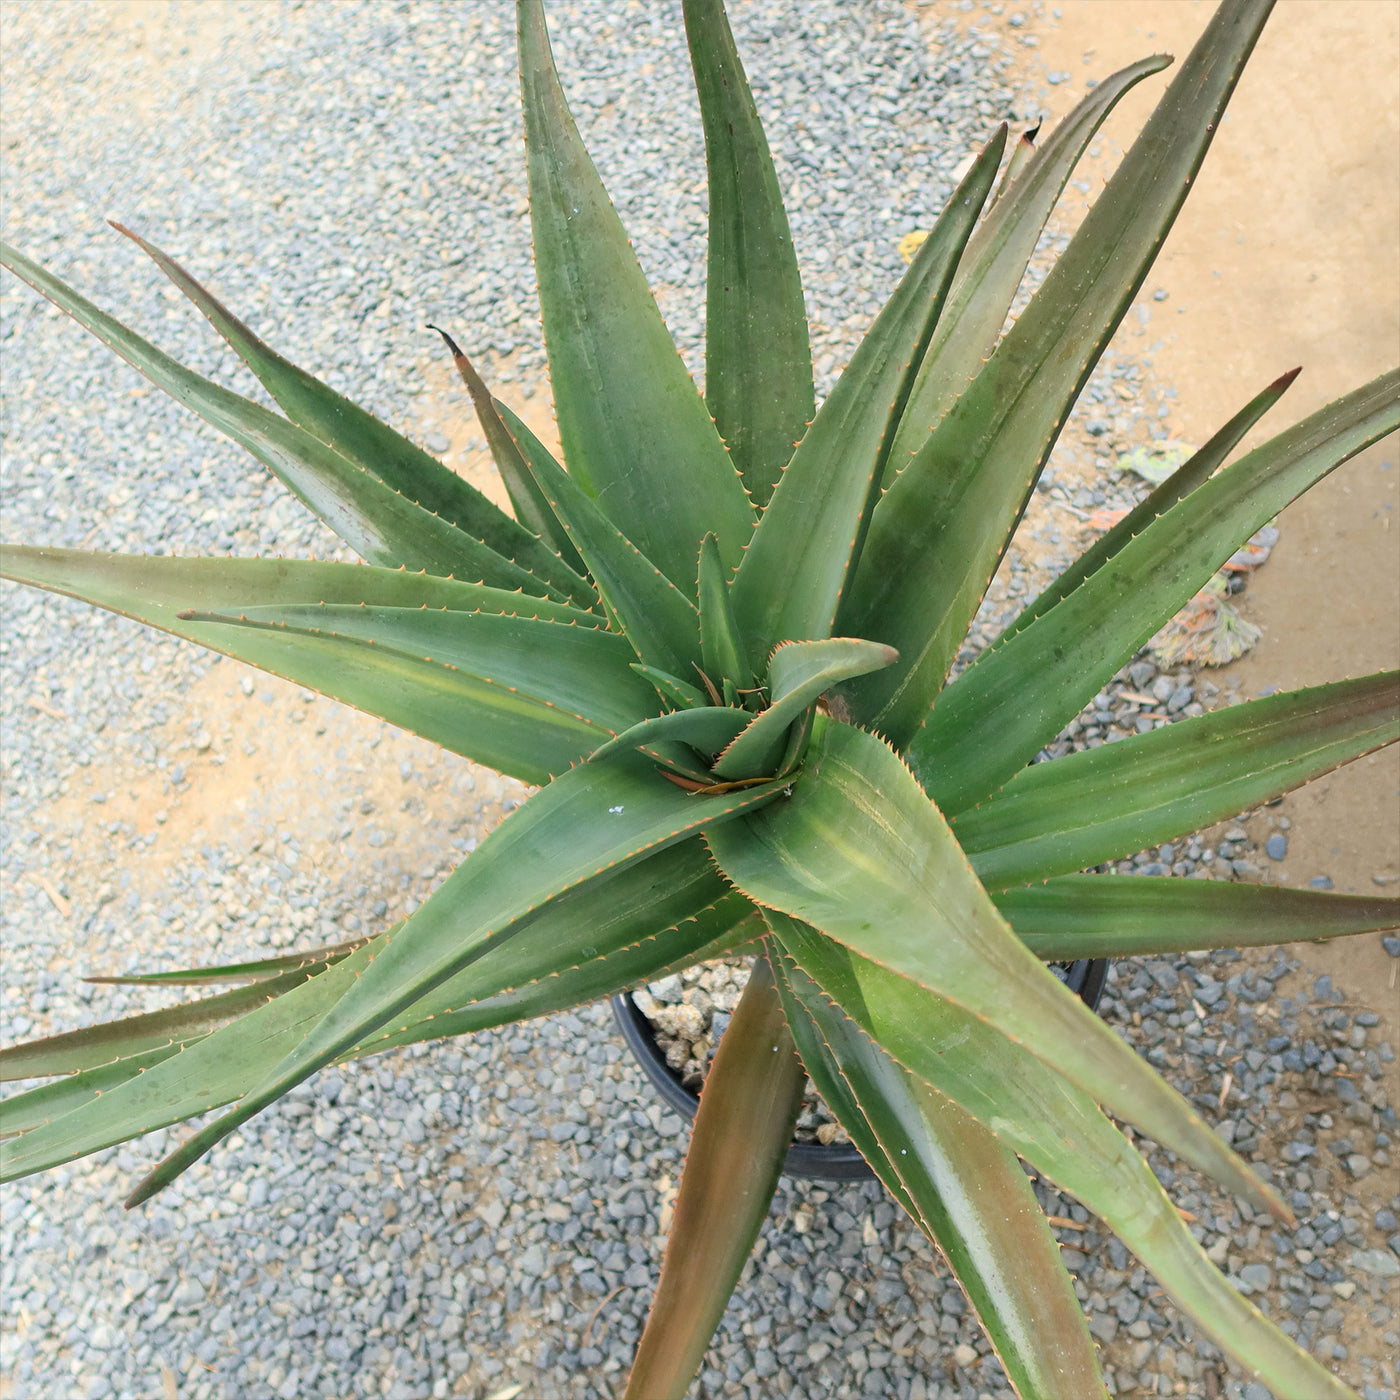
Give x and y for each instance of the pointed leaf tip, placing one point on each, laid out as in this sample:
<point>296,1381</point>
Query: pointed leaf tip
<point>636,434</point>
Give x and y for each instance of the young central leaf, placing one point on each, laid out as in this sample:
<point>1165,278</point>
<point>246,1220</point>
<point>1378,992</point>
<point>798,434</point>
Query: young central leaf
<point>798,673</point>
<point>794,573</point>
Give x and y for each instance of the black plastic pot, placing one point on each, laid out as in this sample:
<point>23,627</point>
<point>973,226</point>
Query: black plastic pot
<point>1085,978</point>
<point>838,1161</point>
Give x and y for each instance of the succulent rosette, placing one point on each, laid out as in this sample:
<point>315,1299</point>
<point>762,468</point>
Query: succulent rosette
<point>719,637</point>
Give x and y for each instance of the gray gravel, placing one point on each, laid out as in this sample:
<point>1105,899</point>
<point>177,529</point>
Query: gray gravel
<point>469,1218</point>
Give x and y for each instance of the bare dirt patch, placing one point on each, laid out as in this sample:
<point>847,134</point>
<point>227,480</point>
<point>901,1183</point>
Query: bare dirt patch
<point>258,763</point>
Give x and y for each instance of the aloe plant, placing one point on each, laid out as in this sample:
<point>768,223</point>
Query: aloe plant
<point>719,638</point>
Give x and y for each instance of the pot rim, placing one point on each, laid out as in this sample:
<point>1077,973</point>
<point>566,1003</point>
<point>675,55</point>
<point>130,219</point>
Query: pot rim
<point>837,1161</point>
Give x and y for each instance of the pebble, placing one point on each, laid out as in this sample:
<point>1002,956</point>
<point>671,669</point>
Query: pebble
<point>689,1012</point>
<point>1276,847</point>
<point>1376,1262</point>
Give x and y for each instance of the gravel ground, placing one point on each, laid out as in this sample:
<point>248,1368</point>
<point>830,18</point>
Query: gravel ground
<point>486,1215</point>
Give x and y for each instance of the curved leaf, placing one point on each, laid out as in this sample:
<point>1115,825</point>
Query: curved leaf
<point>1058,1130</point>
<point>967,1192</point>
<point>703,732</point>
<point>859,852</point>
<point>383,526</point>
<point>758,360</point>
<point>798,673</point>
<point>1123,916</point>
<point>1106,803</point>
<point>996,716</point>
<point>809,538</point>
<point>939,532</point>
<point>636,434</point>
<point>996,258</point>
<point>371,444</point>
<point>742,1130</point>
<point>514,733</point>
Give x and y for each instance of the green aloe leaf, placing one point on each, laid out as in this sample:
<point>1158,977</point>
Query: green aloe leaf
<point>1106,803</point>
<point>602,815</point>
<point>513,463</point>
<point>636,434</point>
<point>21,1113</point>
<point>660,622</point>
<point>1196,470</point>
<point>383,526</point>
<point>155,589</point>
<point>532,450</point>
<point>964,1188</point>
<point>720,648</point>
<point>166,1087</point>
<point>703,732</point>
<point>1121,916</point>
<point>996,258</point>
<point>1016,163</point>
<point>717,931</point>
<point>513,732</point>
<point>821,1062</point>
<point>672,690</point>
<point>940,530</point>
<point>582,672</point>
<point>996,716</point>
<point>798,673</point>
<point>627,926</point>
<point>96,1045</point>
<point>859,852</point>
<point>1059,1131</point>
<point>260,970</point>
<point>758,360</point>
<point>794,571</point>
<point>752,1094</point>
<point>361,437</point>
